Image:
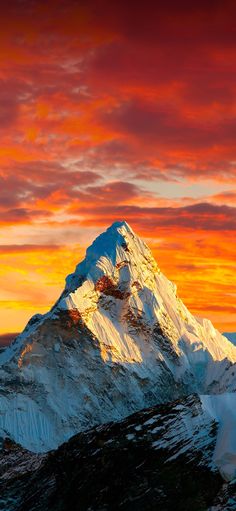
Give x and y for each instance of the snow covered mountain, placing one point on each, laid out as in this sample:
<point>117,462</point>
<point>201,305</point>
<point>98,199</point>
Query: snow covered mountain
<point>117,340</point>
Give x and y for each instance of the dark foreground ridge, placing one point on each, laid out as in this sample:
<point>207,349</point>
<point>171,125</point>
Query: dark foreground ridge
<point>119,466</point>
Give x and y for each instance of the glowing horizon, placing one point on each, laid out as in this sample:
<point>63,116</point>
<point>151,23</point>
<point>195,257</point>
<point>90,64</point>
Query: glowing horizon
<point>114,112</point>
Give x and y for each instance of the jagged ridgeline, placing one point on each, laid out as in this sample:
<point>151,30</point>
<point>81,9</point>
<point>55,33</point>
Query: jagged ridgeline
<point>147,462</point>
<point>118,340</point>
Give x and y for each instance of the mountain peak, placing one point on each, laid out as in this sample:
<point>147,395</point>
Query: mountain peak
<point>115,231</point>
<point>110,249</point>
<point>120,223</point>
<point>114,235</point>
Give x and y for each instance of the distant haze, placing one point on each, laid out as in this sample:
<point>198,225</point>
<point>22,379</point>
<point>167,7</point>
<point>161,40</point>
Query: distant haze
<point>6,339</point>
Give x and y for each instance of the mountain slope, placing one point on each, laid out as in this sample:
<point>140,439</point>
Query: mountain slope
<point>231,336</point>
<point>118,339</point>
<point>159,458</point>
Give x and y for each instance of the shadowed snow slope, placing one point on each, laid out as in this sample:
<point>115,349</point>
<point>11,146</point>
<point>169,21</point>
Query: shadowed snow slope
<point>231,336</point>
<point>159,458</point>
<point>118,340</point>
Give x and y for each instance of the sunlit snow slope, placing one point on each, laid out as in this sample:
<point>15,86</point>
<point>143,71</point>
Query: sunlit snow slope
<point>118,340</point>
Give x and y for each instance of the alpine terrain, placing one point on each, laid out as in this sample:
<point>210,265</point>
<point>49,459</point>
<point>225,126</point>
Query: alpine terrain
<point>160,458</point>
<point>118,340</point>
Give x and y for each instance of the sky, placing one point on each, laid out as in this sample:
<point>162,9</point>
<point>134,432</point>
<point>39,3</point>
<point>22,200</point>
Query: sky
<point>117,111</point>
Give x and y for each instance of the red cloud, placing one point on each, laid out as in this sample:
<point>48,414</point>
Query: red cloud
<point>160,90</point>
<point>202,216</point>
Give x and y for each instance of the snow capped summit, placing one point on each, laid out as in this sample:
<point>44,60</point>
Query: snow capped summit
<point>118,339</point>
<point>116,245</point>
<point>121,295</point>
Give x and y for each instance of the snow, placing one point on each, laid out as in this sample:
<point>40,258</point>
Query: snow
<point>231,336</point>
<point>223,409</point>
<point>186,429</point>
<point>119,339</point>
<point>130,436</point>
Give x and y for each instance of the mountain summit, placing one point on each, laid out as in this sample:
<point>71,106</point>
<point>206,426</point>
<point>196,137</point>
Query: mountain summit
<point>117,340</point>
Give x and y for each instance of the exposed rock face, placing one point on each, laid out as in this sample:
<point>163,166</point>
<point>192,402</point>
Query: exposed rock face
<point>118,340</point>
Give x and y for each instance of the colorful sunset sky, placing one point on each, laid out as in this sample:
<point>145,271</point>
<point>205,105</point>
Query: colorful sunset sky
<point>114,110</point>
